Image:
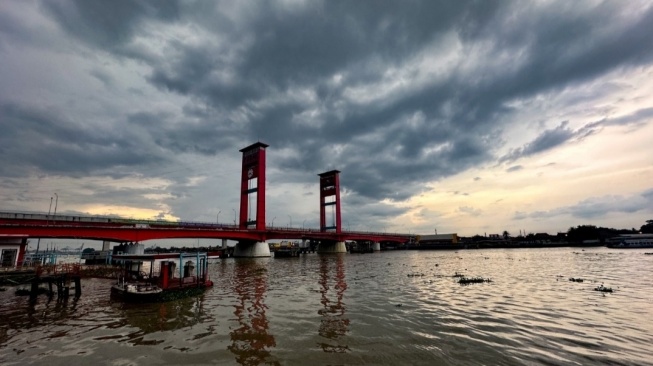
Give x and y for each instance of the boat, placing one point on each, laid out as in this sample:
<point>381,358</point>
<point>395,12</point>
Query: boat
<point>631,241</point>
<point>155,278</point>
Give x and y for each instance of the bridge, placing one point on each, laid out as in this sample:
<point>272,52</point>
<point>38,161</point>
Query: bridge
<point>251,234</point>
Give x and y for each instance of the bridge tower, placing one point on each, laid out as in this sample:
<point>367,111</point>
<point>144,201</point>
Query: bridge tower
<point>330,197</point>
<point>330,187</point>
<point>253,183</point>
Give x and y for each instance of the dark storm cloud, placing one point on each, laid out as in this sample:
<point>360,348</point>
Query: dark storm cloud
<point>108,24</point>
<point>54,144</point>
<point>317,80</point>
<point>548,140</point>
<point>636,118</point>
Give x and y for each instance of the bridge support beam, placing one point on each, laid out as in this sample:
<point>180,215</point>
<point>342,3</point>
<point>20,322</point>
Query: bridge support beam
<point>224,243</point>
<point>329,247</point>
<point>251,249</point>
<point>376,246</point>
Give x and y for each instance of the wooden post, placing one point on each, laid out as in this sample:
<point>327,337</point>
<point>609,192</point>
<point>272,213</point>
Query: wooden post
<point>34,291</point>
<point>78,286</point>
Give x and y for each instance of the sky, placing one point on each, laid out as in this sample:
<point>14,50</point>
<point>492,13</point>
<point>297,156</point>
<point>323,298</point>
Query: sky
<point>468,117</point>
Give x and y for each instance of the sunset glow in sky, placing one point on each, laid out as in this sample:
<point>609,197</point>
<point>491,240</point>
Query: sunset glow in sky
<point>456,116</point>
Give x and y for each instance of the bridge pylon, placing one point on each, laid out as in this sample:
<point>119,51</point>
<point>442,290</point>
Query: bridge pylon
<point>252,183</point>
<point>330,197</point>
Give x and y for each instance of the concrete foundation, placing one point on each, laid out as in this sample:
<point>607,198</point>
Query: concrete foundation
<point>328,248</point>
<point>252,250</point>
<point>376,247</point>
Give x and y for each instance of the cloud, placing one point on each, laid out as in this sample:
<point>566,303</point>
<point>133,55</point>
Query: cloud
<point>547,140</point>
<point>514,168</point>
<point>471,211</point>
<point>597,207</point>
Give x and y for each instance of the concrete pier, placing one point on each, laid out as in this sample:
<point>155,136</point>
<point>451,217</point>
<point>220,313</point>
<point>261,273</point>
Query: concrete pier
<point>332,247</point>
<point>249,249</point>
<point>376,247</point>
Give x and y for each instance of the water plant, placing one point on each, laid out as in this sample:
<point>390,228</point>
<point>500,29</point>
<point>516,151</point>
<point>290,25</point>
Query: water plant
<point>470,280</point>
<point>576,279</point>
<point>415,274</point>
<point>602,288</point>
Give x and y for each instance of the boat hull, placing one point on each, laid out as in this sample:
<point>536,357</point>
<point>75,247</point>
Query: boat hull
<point>124,293</point>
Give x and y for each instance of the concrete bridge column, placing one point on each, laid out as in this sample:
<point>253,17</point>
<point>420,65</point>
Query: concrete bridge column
<point>376,246</point>
<point>224,243</point>
<point>326,247</point>
<point>250,249</point>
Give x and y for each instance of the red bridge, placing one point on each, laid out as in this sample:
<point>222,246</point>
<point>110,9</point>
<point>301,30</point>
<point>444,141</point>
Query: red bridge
<point>250,234</point>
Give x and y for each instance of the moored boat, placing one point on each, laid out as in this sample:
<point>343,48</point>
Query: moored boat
<point>631,241</point>
<point>154,277</point>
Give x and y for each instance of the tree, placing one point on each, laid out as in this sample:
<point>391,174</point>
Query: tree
<point>583,232</point>
<point>506,234</point>
<point>647,228</point>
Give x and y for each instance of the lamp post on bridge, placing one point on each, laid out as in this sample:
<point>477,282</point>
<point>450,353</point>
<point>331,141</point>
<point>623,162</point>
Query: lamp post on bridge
<point>218,218</point>
<point>56,202</point>
<point>234,216</point>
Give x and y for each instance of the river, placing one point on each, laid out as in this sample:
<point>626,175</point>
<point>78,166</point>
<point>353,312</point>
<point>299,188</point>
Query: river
<point>388,308</point>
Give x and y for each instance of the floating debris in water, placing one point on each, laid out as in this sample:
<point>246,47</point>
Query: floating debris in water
<point>467,281</point>
<point>648,253</point>
<point>458,275</point>
<point>399,305</point>
<point>576,279</point>
<point>603,289</point>
<point>415,274</point>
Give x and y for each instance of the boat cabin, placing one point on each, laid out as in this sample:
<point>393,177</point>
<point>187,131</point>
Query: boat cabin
<point>167,270</point>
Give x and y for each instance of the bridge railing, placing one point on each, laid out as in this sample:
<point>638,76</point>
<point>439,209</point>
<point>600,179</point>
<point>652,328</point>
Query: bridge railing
<point>146,223</point>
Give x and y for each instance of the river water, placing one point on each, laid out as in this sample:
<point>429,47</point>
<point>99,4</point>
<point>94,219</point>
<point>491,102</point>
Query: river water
<point>389,308</point>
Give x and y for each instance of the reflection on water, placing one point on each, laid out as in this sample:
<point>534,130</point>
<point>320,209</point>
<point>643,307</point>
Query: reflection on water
<point>359,309</point>
<point>145,319</point>
<point>334,324</point>
<point>250,341</point>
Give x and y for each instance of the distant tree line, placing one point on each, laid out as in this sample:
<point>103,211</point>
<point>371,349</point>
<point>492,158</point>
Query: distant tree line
<point>576,234</point>
<point>590,232</point>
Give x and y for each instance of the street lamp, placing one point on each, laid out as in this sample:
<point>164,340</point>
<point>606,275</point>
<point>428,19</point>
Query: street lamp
<point>50,209</point>
<point>273,221</point>
<point>234,216</point>
<point>56,202</point>
<point>218,218</point>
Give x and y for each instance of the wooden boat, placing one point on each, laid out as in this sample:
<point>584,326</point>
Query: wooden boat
<point>154,277</point>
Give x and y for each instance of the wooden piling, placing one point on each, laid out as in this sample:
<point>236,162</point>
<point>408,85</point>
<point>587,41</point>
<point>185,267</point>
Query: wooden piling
<point>78,286</point>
